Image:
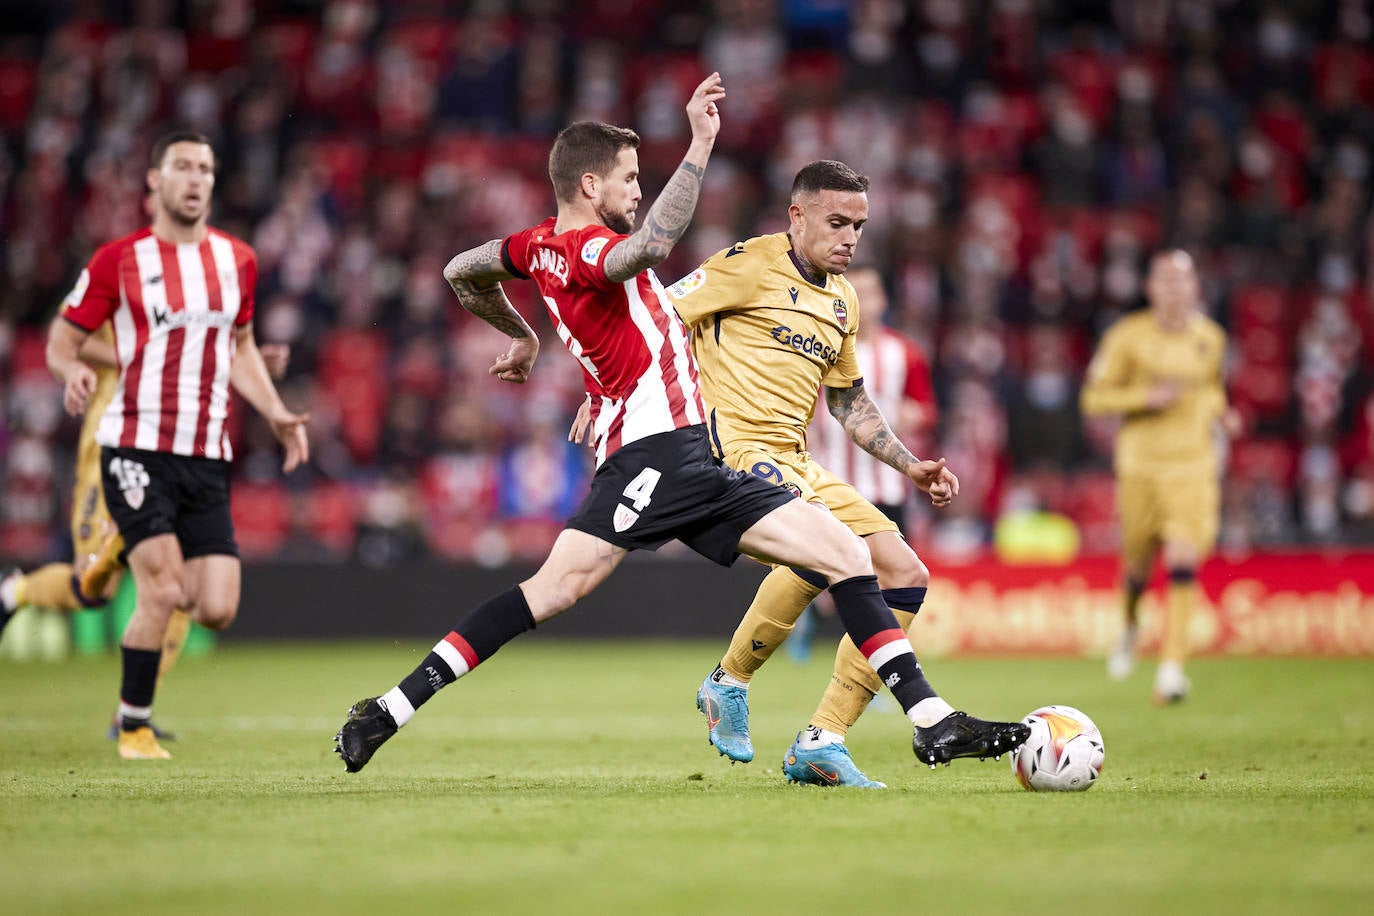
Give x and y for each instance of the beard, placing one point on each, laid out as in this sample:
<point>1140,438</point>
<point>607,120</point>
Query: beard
<point>616,222</point>
<point>178,215</point>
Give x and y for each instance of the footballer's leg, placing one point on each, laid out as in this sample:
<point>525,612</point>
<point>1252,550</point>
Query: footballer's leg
<point>1140,525</point>
<point>48,586</point>
<point>96,577</point>
<point>1190,524</point>
<point>577,564</point>
<point>780,600</point>
<point>722,697</point>
<point>942,733</point>
<point>157,566</point>
<point>800,536</point>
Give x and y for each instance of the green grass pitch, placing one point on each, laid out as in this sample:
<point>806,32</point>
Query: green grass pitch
<point>574,777</point>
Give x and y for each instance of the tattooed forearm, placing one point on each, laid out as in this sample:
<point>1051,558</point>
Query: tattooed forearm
<point>664,224</point>
<point>867,426</point>
<point>475,276</point>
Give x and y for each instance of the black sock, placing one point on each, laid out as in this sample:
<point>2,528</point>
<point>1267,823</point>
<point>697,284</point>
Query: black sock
<point>875,631</point>
<point>485,629</point>
<point>138,685</point>
<point>905,599</point>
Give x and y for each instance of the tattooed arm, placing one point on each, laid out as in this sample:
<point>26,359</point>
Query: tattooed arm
<point>476,276</point>
<point>869,429</point>
<point>667,219</point>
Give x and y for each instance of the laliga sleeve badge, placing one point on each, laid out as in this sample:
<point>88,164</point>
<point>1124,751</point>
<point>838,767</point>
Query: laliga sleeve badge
<point>688,284</point>
<point>592,250</point>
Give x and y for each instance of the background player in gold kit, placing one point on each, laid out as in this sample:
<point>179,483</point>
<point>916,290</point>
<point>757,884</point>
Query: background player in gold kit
<point>1161,371</point>
<point>772,319</point>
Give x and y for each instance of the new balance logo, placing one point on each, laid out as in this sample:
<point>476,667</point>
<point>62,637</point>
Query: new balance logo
<point>132,478</point>
<point>893,680</point>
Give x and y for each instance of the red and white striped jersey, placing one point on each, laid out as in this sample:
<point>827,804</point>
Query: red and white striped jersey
<point>174,309</point>
<point>895,370</point>
<point>636,362</point>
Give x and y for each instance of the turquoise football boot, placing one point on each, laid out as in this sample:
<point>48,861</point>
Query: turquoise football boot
<point>830,765</point>
<point>726,710</point>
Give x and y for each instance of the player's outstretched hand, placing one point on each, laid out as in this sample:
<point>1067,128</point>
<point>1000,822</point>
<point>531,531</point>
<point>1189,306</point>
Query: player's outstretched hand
<point>80,386</point>
<point>289,428</point>
<point>515,364</point>
<point>934,478</point>
<point>582,423</point>
<point>702,113</point>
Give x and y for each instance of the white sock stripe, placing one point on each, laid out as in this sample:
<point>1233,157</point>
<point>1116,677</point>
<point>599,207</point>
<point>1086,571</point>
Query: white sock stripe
<point>397,704</point>
<point>884,654</point>
<point>452,657</point>
<point>135,712</point>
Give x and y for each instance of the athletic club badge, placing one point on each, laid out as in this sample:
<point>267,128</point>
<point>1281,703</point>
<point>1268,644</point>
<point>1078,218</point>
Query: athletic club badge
<point>624,517</point>
<point>841,313</point>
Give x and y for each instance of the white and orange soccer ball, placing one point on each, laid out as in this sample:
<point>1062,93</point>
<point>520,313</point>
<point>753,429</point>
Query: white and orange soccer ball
<point>1064,752</point>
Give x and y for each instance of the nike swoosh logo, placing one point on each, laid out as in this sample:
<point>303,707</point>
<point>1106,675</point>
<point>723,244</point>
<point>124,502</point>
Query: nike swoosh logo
<point>831,777</point>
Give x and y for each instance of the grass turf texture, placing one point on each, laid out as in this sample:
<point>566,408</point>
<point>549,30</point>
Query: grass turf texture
<point>570,777</point>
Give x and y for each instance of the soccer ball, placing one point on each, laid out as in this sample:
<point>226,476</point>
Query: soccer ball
<point>1063,753</point>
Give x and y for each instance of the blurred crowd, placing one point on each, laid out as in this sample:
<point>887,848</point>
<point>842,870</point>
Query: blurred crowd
<point>1025,155</point>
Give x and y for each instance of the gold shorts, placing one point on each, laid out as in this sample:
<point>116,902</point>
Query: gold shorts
<point>1167,507</point>
<point>813,483</point>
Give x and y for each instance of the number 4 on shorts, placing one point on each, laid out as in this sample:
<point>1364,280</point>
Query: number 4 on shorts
<point>641,490</point>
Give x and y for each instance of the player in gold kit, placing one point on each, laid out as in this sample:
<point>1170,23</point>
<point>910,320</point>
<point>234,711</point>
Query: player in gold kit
<point>1161,370</point>
<point>772,319</point>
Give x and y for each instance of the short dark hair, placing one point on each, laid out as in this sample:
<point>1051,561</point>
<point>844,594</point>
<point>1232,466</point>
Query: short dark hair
<point>828,175</point>
<point>582,147</point>
<point>164,142</point>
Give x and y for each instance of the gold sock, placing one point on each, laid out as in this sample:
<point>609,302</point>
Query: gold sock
<point>780,600</point>
<point>853,683</point>
<point>1178,611</point>
<point>49,587</point>
<point>173,639</point>
<point>96,577</point>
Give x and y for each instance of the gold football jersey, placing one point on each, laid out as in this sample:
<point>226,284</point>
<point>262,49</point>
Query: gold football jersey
<point>766,338</point>
<point>1135,355</point>
<point>106,379</point>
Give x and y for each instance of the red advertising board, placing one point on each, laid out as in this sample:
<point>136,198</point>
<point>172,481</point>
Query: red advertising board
<point>1298,603</point>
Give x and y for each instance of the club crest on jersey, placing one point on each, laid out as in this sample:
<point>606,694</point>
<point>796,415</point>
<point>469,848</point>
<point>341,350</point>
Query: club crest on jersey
<point>132,478</point>
<point>688,284</point>
<point>592,250</point>
<point>623,518</point>
<point>841,313</point>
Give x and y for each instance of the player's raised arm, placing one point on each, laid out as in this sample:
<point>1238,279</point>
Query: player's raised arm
<point>671,213</point>
<point>475,276</point>
<point>866,425</point>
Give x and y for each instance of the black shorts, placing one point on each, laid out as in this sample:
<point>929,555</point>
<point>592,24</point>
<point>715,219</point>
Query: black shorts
<point>671,485</point>
<point>152,493</point>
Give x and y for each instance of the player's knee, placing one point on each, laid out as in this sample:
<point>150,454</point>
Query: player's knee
<point>215,614</point>
<point>160,593</point>
<point>906,571</point>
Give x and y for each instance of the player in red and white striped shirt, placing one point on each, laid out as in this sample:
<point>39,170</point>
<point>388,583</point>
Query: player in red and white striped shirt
<point>179,296</point>
<point>657,478</point>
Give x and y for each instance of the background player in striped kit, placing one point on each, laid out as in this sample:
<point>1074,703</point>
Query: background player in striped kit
<point>656,477</point>
<point>97,548</point>
<point>897,378</point>
<point>179,296</point>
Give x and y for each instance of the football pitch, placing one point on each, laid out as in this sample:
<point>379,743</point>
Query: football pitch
<point>574,777</point>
